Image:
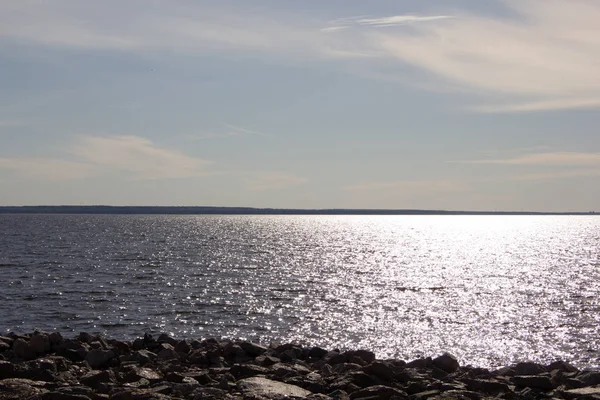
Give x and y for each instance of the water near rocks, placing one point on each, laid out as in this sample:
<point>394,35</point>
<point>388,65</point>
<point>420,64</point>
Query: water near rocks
<point>491,290</point>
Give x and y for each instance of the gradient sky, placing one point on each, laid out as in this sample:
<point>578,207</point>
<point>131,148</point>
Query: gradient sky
<point>441,104</point>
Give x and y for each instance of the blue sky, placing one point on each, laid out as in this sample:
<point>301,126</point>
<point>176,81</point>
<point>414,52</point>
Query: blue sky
<point>453,104</point>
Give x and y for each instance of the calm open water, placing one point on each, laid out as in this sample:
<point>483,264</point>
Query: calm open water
<point>490,289</point>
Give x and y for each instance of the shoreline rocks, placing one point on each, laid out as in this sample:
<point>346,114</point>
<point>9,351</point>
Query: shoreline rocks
<point>87,367</point>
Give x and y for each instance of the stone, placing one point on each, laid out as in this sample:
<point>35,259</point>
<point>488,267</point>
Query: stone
<point>534,381</point>
<point>266,361</point>
<point>98,358</point>
<point>267,388</point>
<point>64,396</point>
<point>42,369</point>
<point>529,368</point>
<point>9,370</point>
<point>488,386</point>
<point>164,338</point>
<point>56,339</point>
<point>140,356</point>
<point>587,392</point>
<point>253,349</point>
<point>167,352</point>
<point>365,356</point>
<point>418,363</point>
<point>23,350</point>
<point>40,343</point>
<point>381,369</point>
<point>378,392</point>
<point>425,395</point>
<point>19,389</point>
<point>446,362</point>
<point>562,366</point>
<point>94,378</point>
<point>136,374</point>
<point>589,378</point>
<point>317,353</point>
<point>247,370</point>
<point>183,347</point>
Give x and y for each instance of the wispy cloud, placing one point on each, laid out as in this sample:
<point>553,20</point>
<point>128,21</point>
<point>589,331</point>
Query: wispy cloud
<point>51,169</point>
<point>381,22</point>
<point>229,131</point>
<point>260,181</point>
<point>138,157</point>
<point>545,58</point>
<point>546,159</point>
<point>412,186</point>
<point>131,157</point>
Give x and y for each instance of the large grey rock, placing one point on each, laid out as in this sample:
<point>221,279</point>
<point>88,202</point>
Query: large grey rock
<point>167,352</point>
<point>98,358</point>
<point>446,362</point>
<point>265,388</point>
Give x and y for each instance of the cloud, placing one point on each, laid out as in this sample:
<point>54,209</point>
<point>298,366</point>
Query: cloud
<point>544,58</point>
<point>138,157</point>
<point>415,187</point>
<point>260,181</point>
<point>546,159</point>
<point>231,131</point>
<point>131,157</point>
<point>47,168</point>
<point>381,22</point>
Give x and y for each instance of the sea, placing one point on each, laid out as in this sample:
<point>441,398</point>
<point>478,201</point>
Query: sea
<point>491,290</point>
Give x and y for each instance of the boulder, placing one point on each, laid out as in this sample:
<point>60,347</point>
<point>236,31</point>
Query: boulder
<point>446,362</point>
<point>19,389</point>
<point>98,358</point>
<point>379,392</point>
<point>529,368</point>
<point>40,343</point>
<point>534,382</point>
<point>253,349</point>
<point>23,350</point>
<point>258,387</point>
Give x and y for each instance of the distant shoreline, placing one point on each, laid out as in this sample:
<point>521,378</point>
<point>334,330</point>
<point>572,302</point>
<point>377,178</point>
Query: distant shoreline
<point>210,210</point>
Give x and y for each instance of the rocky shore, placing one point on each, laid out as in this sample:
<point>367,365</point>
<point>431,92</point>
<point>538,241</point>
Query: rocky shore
<point>51,367</point>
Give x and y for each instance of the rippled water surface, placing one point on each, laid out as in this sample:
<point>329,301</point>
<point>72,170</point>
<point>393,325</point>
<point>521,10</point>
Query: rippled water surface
<point>489,289</point>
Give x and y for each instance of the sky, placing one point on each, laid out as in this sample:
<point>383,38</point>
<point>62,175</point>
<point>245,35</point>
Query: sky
<point>431,104</point>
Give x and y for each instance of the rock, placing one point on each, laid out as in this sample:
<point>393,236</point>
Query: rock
<point>135,374</point>
<point>262,387</point>
<point>378,392</point>
<point>164,338</point>
<point>56,339</point>
<point>9,370</point>
<point>64,396</point>
<point>42,369</point>
<point>247,370</point>
<point>534,381</point>
<point>529,368</point>
<point>317,353</point>
<point>94,378</point>
<point>425,395</point>
<point>589,378</point>
<point>446,362</point>
<point>167,352</point>
<point>562,366</point>
<point>183,347</point>
<point>19,389</point>
<point>365,356</point>
<point>23,350</point>
<point>253,349</point>
<point>587,393</point>
<point>381,369</point>
<point>363,380</point>
<point>98,358</point>
<point>419,363</point>
<point>140,356</point>
<point>266,361</point>
<point>40,343</point>
<point>85,337</point>
<point>488,386</point>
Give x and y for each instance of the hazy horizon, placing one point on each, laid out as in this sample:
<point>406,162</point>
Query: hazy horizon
<point>336,104</point>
